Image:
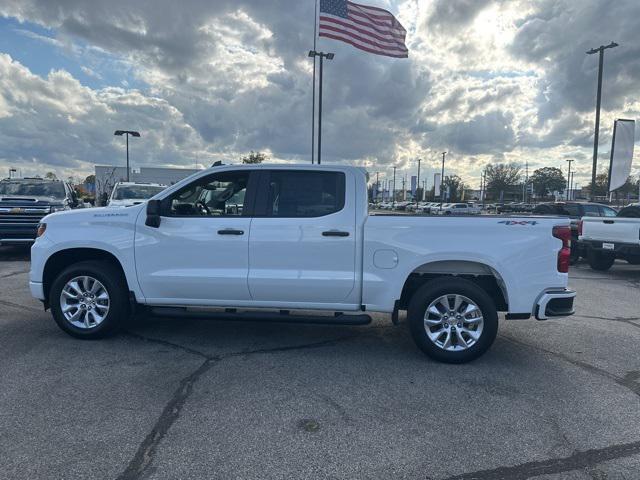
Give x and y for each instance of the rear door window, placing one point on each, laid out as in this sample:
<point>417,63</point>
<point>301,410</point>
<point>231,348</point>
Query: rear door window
<point>591,211</point>
<point>608,212</point>
<point>302,194</point>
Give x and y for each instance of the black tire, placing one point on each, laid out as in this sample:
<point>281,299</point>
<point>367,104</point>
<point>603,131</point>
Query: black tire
<point>574,255</point>
<point>116,287</point>
<point>600,261</point>
<point>434,289</point>
<point>633,259</point>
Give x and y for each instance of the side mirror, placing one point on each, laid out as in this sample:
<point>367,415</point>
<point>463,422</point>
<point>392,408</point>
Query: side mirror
<point>153,213</point>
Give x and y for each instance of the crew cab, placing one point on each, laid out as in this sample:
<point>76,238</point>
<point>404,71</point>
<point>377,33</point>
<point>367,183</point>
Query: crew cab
<point>605,239</point>
<point>25,201</point>
<point>282,238</point>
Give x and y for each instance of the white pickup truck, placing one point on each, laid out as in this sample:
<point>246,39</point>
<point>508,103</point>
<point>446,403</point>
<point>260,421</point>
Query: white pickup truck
<point>605,239</point>
<point>276,238</point>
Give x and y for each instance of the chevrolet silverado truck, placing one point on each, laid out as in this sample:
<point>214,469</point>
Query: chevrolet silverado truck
<point>276,239</point>
<point>605,239</point>
<point>25,201</point>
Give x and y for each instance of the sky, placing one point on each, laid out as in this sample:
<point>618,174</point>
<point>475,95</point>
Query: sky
<point>488,81</point>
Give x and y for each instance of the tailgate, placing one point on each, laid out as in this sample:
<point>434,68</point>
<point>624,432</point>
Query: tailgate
<point>621,230</point>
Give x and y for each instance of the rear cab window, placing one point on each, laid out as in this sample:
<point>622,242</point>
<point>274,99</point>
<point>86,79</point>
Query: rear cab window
<point>302,193</point>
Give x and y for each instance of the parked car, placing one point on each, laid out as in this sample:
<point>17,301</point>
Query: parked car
<point>575,211</point>
<point>302,241</point>
<point>460,209</point>
<point>125,194</point>
<point>605,239</point>
<point>25,201</point>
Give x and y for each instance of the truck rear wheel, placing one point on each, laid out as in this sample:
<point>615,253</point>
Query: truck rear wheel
<point>600,261</point>
<point>89,300</point>
<point>452,320</point>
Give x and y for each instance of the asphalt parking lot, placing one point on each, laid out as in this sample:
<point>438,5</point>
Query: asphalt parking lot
<point>200,399</point>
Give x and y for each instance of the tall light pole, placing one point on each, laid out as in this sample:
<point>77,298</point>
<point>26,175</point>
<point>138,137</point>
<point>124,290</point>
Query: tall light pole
<point>600,50</point>
<point>328,56</point>
<point>418,182</point>
<point>133,133</point>
<point>569,177</point>
<point>393,193</point>
<point>442,180</point>
<point>377,185</point>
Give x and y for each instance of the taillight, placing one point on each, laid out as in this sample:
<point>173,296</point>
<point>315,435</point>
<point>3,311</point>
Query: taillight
<point>579,227</point>
<point>564,234</point>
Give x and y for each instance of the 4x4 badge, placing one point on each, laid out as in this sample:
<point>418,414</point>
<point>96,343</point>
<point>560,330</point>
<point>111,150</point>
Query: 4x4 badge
<point>519,222</point>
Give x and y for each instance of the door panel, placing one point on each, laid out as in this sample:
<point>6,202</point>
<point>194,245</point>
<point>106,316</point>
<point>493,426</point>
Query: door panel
<point>199,253</point>
<point>299,251</point>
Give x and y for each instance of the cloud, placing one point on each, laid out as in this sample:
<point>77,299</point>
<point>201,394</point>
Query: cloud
<point>487,80</point>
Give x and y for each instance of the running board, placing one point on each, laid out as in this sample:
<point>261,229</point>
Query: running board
<point>279,317</point>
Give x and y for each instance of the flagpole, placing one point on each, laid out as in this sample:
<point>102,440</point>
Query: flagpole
<point>313,100</point>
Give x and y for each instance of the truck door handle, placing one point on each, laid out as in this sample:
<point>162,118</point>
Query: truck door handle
<point>335,233</point>
<point>230,231</point>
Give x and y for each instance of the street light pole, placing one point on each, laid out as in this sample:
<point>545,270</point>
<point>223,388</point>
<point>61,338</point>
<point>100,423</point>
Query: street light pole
<point>442,181</point>
<point>328,56</point>
<point>569,177</point>
<point>126,133</point>
<point>600,50</point>
<point>418,182</point>
<point>393,193</point>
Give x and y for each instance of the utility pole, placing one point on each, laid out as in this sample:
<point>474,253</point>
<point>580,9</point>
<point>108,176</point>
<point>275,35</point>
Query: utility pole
<point>484,186</point>
<point>418,182</point>
<point>328,56</point>
<point>377,185</point>
<point>600,50</point>
<point>569,178</point>
<point>393,194</point>
<point>526,181</point>
<point>442,180</point>
<point>404,188</point>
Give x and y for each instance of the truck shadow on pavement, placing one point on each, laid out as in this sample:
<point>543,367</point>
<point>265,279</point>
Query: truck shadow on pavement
<point>15,253</point>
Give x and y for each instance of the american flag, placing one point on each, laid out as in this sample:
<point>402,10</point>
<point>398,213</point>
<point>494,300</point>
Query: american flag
<point>371,29</point>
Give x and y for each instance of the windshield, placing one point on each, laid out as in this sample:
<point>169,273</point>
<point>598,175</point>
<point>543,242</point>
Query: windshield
<point>32,189</point>
<point>135,192</point>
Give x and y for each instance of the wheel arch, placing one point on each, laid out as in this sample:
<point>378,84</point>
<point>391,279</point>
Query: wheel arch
<point>66,257</point>
<point>482,274</point>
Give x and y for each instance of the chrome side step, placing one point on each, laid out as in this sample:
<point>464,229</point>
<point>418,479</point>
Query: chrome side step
<point>284,316</point>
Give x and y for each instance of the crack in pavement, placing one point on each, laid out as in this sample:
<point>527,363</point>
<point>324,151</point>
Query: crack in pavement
<point>629,381</point>
<point>627,320</point>
<point>17,305</point>
<point>576,461</point>
<point>145,454</point>
<point>7,275</point>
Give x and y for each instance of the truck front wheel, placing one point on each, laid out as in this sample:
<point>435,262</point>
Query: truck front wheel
<point>452,320</point>
<point>600,261</point>
<point>89,300</point>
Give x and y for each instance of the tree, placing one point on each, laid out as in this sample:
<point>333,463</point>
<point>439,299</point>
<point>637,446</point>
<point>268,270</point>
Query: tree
<point>50,176</point>
<point>502,178</point>
<point>602,184</point>
<point>455,187</point>
<point>546,180</point>
<point>90,179</point>
<point>257,157</point>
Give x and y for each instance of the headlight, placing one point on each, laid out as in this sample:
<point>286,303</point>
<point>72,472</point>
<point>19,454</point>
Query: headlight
<point>58,208</point>
<point>41,229</point>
